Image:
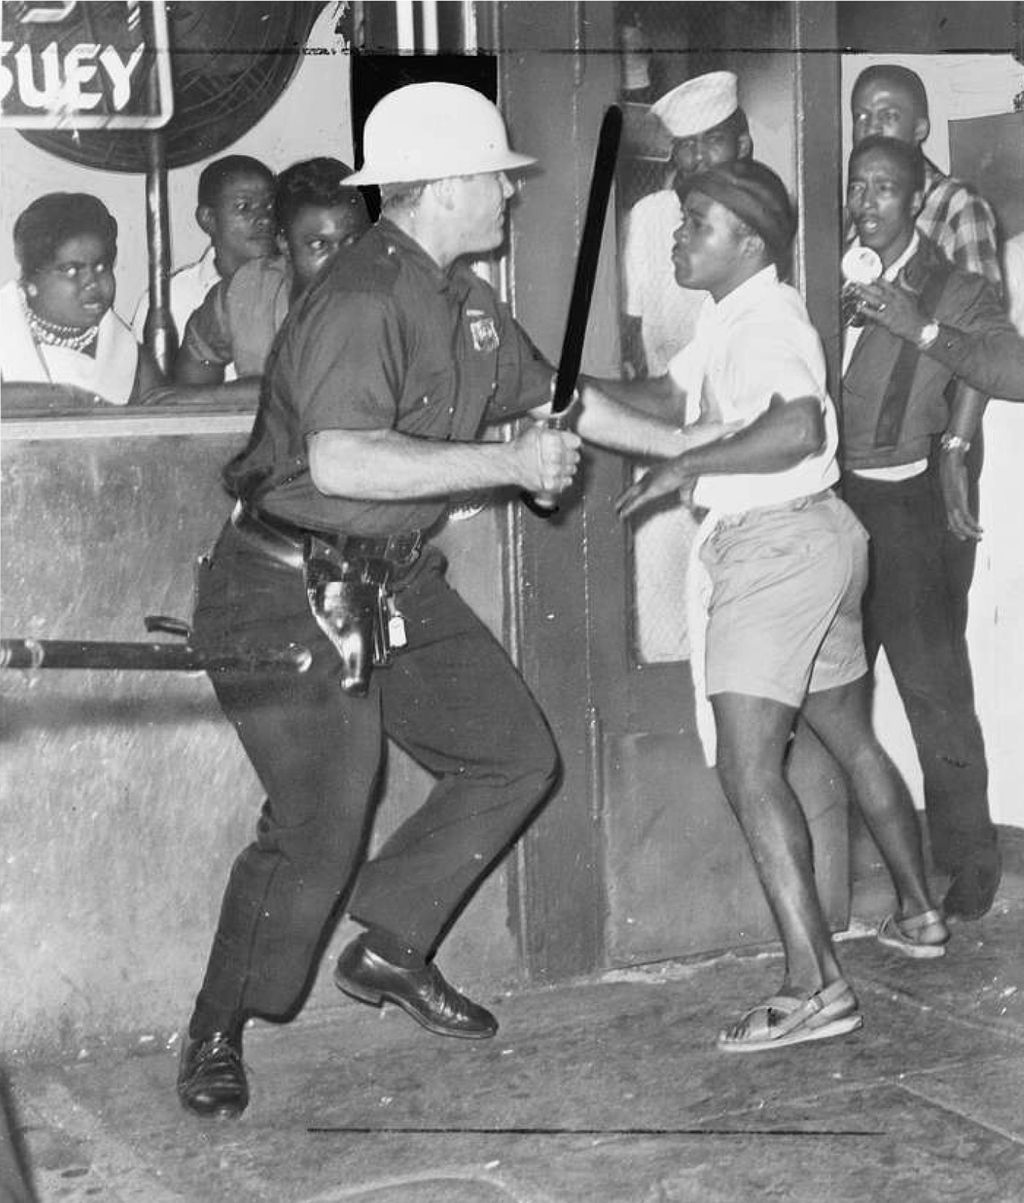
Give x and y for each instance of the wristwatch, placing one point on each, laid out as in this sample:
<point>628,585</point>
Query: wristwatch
<point>953,442</point>
<point>929,333</point>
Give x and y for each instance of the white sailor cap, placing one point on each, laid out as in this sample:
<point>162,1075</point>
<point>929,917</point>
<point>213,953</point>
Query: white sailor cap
<point>698,105</point>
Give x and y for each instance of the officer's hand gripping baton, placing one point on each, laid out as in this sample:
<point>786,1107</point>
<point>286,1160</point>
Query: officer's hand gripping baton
<point>546,504</point>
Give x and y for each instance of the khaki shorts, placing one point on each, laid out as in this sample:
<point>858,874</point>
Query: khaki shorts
<point>784,618</point>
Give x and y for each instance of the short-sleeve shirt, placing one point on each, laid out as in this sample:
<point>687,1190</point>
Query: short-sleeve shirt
<point>239,318</point>
<point>188,288</point>
<point>384,339</point>
<point>756,342</point>
<point>668,313</point>
<point>189,285</point>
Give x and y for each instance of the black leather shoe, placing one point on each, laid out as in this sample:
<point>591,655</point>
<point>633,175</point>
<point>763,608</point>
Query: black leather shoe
<point>973,888</point>
<point>421,993</point>
<point>211,1076</point>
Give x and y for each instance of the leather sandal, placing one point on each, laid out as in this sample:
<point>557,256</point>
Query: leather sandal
<point>902,935</point>
<point>783,1020</point>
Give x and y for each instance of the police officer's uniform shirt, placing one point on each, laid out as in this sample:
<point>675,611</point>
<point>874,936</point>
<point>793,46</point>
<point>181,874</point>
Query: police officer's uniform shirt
<point>755,342</point>
<point>385,339</point>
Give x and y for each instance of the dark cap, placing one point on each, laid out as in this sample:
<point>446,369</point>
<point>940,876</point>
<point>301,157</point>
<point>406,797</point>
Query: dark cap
<point>754,193</point>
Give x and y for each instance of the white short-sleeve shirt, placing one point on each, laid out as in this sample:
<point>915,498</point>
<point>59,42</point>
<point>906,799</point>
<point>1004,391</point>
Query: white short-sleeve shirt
<point>189,286</point>
<point>756,342</point>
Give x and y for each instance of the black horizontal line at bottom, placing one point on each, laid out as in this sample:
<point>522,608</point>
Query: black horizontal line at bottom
<point>355,1130</point>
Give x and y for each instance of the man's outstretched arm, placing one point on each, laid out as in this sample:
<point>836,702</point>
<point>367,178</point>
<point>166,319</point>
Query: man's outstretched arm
<point>779,438</point>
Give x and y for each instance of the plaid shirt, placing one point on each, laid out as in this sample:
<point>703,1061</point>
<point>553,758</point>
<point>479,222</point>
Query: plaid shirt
<point>959,221</point>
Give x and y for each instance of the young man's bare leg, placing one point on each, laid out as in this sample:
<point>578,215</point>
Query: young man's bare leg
<point>752,736</point>
<point>841,718</point>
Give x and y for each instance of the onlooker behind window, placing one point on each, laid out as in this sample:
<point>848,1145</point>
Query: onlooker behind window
<point>235,210</point>
<point>315,215</point>
<point>58,324</point>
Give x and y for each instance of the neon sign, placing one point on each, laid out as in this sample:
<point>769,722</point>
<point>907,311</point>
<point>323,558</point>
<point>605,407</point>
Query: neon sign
<point>84,65</point>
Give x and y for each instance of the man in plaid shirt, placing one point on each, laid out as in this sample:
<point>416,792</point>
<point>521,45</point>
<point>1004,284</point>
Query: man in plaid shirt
<point>891,100</point>
<point>959,221</point>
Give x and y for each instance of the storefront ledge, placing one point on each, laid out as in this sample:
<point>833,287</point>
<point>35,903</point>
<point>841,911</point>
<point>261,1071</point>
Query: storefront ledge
<point>137,424</point>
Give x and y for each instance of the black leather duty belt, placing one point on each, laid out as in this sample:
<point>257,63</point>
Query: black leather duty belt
<point>286,542</point>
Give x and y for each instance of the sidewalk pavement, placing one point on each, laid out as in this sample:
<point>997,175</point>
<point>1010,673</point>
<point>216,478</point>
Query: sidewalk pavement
<point>608,1090</point>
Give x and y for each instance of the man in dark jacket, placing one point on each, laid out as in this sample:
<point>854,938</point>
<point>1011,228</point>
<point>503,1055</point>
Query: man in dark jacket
<point>907,428</point>
<point>981,348</point>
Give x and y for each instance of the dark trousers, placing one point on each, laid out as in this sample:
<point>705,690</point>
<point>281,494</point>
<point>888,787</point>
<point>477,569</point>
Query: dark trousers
<point>451,699</point>
<point>915,607</point>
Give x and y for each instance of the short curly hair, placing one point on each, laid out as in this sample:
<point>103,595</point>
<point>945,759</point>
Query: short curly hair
<point>48,222</point>
<point>907,154</point>
<point>313,182</point>
<point>216,176</point>
<point>902,77</point>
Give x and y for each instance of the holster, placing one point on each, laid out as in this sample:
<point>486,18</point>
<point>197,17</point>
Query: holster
<point>353,605</point>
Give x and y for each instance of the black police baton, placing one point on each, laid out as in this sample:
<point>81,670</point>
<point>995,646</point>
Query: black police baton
<point>544,505</point>
<point>33,654</point>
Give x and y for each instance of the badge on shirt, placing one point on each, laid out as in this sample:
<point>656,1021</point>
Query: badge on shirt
<point>482,330</point>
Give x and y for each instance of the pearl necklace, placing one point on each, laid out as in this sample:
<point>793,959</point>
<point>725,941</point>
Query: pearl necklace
<point>73,338</point>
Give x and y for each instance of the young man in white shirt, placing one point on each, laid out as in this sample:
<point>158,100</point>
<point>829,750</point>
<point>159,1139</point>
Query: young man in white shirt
<point>785,564</point>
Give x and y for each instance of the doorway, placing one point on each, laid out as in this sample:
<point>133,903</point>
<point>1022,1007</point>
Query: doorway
<point>638,858</point>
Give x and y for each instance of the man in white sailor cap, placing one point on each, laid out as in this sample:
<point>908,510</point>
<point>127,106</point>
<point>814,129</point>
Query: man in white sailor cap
<point>707,128</point>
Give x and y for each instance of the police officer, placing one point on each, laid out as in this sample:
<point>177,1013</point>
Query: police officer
<point>376,394</point>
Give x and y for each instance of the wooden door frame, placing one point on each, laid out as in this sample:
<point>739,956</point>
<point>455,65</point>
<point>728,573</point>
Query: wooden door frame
<point>553,91</point>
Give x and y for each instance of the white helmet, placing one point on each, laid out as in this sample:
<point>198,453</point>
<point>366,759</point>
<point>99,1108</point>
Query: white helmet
<point>430,131</point>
